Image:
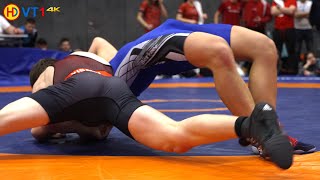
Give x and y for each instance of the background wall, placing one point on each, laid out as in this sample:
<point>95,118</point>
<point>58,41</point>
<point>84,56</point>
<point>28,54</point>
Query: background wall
<point>81,20</point>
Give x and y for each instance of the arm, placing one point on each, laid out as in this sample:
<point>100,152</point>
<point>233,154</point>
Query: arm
<point>216,17</point>
<point>275,11</point>
<point>13,30</point>
<point>143,22</point>
<point>164,11</point>
<point>103,48</point>
<point>45,133</point>
<point>300,14</point>
<point>288,10</point>
<point>180,18</point>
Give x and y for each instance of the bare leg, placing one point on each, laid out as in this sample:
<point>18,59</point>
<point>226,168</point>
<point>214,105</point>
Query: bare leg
<point>22,114</point>
<point>162,133</point>
<point>213,52</point>
<point>248,44</point>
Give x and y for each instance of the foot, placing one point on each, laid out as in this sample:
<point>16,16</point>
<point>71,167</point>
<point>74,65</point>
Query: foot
<point>298,147</point>
<point>262,128</point>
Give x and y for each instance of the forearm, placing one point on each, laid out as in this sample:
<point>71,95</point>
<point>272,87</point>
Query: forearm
<point>164,11</point>
<point>288,10</point>
<point>275,11</point>
<point>11,30</point>
<point>216,18</point>
<point>301,14</point>
<point>141,20</point>
<point>180,18</point>
<point>44,133</point>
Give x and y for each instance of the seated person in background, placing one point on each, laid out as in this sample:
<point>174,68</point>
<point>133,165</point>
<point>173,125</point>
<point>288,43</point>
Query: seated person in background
<point>42,44</point>
<point>65,45</point>
<point>6,27</point>
<point>311,65</point>
<point>29,28</point>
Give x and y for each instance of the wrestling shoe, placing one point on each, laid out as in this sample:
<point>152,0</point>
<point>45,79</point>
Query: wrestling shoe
<point>262,129</point>
<point>298,147</point>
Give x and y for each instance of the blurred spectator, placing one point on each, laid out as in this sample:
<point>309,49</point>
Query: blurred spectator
<point>284,33</point>
<point>315,14</point>
<point>150,12</point>
<point>311,66</point>
<point>6,27</point>
<point>230,11</point>
<point>202,16</point>
<point>42,44</point>
<point>256,14</point>
<point>303,26</point>
<point>65,45</point>
<point>189,13</point>
<point>29,28</point>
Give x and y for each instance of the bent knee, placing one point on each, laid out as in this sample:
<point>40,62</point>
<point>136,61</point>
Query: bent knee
<point>205,50</point>
<point>176,144</point>
<point>266,47</point>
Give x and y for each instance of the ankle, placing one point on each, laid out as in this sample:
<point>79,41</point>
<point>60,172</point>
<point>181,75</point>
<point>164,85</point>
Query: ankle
<point>238,126</point>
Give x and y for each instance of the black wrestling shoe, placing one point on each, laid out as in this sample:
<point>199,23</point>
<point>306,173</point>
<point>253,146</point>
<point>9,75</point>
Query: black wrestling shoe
<point>262,129</point>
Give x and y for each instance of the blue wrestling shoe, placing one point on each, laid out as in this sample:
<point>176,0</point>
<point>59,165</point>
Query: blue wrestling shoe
<point>262,129</point>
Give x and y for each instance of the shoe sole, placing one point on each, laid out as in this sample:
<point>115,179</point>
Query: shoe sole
<point>304,152</point>
<point>257,152</point>
<point>280,151</point>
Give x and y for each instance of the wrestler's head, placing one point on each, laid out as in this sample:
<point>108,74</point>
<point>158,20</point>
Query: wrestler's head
<point>38,68</point>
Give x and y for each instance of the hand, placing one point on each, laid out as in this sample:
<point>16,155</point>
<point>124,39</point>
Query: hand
<point>18,31</point>
<point>149,26</point>
<point>160,1</point>
<point>307,73</point>
<point>205,16</point>
<point>193,21</point>
<point>257,19</point>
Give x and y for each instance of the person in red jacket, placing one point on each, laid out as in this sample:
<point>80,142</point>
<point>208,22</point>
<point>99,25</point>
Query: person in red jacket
<point>188,13</point>
<point>230,11</point>
<point>284,33</point>
<point>150,12</point>
<point>256,14</point>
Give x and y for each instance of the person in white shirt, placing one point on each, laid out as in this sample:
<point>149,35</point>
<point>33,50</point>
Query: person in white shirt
<point>6,27</point>
<point>302,25</point>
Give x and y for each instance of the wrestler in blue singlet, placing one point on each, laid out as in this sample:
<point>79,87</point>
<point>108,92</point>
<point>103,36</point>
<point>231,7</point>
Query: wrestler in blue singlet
<point>159,52</point>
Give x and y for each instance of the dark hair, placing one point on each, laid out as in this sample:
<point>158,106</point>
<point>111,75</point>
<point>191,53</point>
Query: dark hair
<point>38,68</point>
<point>42,41</point>
<point>150,2</point>
<point>63,40</point>
<point>31,21</point>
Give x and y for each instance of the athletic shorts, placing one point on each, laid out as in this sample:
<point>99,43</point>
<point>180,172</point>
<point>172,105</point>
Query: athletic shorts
<point>162,55</point>
<point>160,51</point>
<point>91,99</point>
